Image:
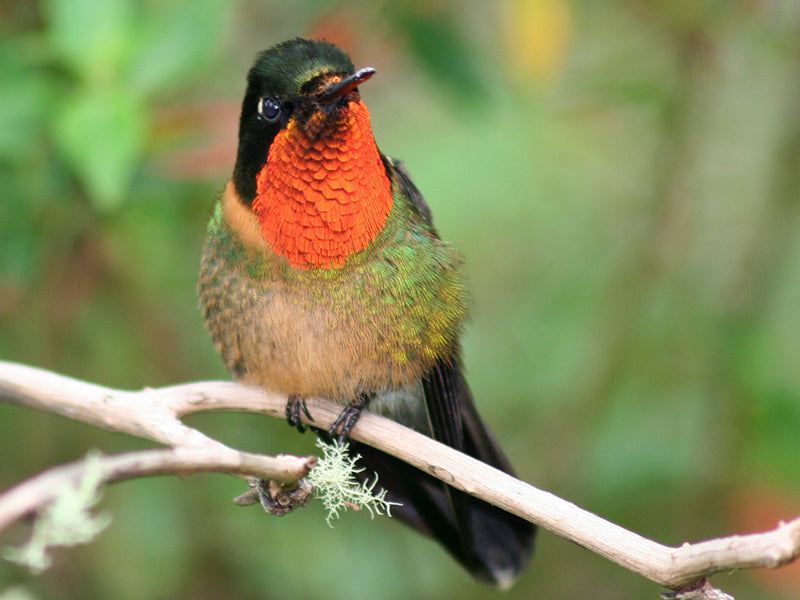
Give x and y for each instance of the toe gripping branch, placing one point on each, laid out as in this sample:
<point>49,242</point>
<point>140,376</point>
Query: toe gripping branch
<point>278,499</point>
<point>275,498</point>
<point>342,426</point>
<point>347,419</point>
<point>294,406</point>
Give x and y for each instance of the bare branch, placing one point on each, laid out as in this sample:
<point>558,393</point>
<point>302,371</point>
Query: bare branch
<point>704,591</point>
<point>155,414</point>
<point>30,495</point>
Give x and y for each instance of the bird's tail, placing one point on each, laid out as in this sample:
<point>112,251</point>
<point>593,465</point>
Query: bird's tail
<point>493,545</point>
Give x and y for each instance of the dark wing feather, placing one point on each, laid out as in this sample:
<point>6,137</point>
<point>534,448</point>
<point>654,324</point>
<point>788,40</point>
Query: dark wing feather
<point>411,191</point>
<point>495,544</point>
<point>492,544</point>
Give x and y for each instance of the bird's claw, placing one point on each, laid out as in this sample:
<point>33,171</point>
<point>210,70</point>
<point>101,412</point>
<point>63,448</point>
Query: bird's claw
<point>347,419</point>
<point>294,407</point>
<point>276,498</point>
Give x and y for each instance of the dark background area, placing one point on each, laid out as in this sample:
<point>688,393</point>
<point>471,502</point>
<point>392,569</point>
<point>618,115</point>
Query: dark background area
<point>622,177</point>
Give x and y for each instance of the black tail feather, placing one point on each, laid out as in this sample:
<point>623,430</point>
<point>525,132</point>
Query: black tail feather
<point>490,543</point>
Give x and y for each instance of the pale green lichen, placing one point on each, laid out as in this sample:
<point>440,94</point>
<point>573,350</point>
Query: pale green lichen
<point>335,484</point>
<point>16,593</point>
<point>66,521</point>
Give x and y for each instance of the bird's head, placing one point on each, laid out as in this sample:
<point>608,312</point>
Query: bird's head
<point>308,165</point>
<point>302,86</point>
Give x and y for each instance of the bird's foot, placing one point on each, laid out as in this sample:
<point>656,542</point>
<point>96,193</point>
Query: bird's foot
<point>294,406</point>
<point>347,419</point>
<point>277,498</point>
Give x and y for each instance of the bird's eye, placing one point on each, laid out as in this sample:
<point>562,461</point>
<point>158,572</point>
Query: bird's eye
<point>269,109</point>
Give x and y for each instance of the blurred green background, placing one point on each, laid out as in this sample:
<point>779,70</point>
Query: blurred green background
<point>623,178</point>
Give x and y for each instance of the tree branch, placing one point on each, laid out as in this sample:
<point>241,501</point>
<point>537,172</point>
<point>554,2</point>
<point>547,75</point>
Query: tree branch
<point>30,495</point>
<point>155,414</point>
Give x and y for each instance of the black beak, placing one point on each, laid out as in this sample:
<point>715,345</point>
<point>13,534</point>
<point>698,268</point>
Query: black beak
<point>340,88</point>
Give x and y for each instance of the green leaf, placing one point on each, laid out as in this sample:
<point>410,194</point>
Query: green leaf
<point>175,43</point>
<point>92,36</point>
<point>101,134</point>
<point>25,95</point>
<point>444,50</point>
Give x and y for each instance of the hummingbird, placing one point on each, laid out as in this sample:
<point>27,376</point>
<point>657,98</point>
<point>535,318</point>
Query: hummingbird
<point>322,275</point>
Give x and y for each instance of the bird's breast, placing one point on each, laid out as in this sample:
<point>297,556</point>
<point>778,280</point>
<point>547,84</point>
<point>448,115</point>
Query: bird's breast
<point>377,324</point>
<point>323,193</point>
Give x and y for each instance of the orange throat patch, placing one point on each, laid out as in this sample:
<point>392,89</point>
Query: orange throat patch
<point>321,200</point>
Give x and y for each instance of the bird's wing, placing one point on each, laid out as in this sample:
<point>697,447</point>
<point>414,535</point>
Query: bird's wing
<point>411,191</point>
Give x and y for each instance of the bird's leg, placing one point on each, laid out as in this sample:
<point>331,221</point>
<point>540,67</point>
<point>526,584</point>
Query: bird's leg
<point>294,406</point>
<point>347,419</point>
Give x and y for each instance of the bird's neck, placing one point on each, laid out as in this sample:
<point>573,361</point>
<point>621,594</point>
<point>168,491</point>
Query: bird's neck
<point>324,193</point>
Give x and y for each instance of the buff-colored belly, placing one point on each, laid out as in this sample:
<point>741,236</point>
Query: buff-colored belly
<point>321,350</point>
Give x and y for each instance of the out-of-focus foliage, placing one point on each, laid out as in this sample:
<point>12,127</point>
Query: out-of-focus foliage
<point>622,177</point>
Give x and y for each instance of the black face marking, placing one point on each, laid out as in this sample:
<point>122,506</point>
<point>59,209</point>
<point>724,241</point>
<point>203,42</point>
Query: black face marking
<point>278,90</point>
